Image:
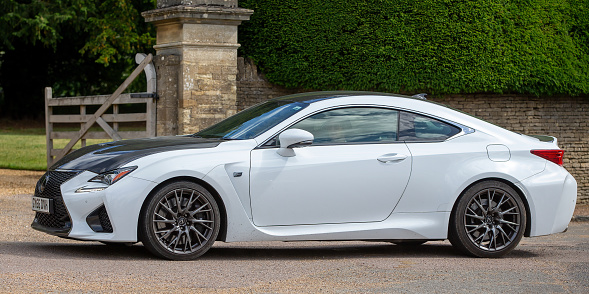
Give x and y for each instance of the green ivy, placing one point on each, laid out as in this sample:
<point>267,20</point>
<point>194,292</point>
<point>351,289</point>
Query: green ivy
<point>536,47</point>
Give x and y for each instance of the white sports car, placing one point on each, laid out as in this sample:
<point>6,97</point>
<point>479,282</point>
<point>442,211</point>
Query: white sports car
<point>315,166</point>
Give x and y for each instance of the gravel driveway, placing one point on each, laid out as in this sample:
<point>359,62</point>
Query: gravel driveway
<point>31,261</point>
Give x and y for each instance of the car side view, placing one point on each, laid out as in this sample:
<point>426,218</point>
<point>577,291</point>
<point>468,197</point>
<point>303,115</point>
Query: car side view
<point>315,166</point>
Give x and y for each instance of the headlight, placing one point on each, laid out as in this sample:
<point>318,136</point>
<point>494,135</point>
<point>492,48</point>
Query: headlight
<point>113,176</point>
<point>106,179</point>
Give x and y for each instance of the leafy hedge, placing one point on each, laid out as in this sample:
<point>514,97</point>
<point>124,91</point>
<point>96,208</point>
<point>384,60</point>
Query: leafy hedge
<point>438,46</point>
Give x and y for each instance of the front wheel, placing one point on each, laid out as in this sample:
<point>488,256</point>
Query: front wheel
<point>180,221</point>
<point>489,220</point>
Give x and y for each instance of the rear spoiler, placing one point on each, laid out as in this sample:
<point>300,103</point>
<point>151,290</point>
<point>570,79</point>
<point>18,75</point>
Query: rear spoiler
<point>541,138</point>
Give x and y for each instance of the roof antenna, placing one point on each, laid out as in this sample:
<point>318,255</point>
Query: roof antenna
<point>420,96</point>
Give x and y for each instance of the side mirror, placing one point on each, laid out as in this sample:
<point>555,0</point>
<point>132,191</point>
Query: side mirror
<point>293,138</point>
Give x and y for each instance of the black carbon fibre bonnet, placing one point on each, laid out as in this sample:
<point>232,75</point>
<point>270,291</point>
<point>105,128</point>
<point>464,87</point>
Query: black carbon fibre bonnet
<point>108,156</point>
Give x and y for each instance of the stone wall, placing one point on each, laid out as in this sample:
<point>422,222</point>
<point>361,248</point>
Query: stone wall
<point>566,118</point>
<point>253,88</point>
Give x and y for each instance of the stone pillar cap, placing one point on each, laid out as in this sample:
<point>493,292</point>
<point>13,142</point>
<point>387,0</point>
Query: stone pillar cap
<point>198,14</point>
<point>170,3</point>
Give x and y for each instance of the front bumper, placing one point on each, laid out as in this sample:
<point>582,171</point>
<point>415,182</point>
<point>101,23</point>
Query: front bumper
<point>108,215</point>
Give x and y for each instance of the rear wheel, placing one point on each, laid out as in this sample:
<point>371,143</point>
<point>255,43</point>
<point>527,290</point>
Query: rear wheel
<point>489,220</point>
<point>180,222</point>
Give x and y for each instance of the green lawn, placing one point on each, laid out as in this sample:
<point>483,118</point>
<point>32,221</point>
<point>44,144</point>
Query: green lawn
<point>26,149</point>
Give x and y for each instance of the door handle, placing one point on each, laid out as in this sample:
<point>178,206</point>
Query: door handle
<point>391,157</point>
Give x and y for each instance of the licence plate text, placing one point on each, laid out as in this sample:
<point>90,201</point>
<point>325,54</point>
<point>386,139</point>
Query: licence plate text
<point>41,204</point>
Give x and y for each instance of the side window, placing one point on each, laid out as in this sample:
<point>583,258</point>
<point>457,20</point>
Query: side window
<point>415,127</point>
<point>352,125</point>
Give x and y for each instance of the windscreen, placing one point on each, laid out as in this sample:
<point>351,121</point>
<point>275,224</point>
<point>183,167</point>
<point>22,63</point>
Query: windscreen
<point>253,121</point>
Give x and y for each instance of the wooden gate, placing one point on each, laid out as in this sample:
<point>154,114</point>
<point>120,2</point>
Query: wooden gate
<point>108,122</point>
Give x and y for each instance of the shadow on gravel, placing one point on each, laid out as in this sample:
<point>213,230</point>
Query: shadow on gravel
<point>90,250</point>
<point>344,252</point>
<point>377,250</point>
<point>94,250</point>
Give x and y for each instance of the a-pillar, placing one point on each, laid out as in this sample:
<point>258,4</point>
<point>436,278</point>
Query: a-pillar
<point>196,62</point>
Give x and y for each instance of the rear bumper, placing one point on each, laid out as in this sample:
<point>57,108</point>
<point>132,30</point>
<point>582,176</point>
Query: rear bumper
<point>551,195</point>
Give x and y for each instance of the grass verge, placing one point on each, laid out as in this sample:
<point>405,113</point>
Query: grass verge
<point>25,148</point>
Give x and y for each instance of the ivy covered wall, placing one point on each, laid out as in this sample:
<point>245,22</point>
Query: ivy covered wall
<point>538,47</point>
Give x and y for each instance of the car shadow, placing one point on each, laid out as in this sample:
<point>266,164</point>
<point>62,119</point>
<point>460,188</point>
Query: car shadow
<point>82,250</point>
<point>244,251</point>
<point>371,250</point>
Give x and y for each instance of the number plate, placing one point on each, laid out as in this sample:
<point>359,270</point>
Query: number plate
<point>42,204</point>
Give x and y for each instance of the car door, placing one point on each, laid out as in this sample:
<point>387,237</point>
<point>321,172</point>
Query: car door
<point>355,171</point>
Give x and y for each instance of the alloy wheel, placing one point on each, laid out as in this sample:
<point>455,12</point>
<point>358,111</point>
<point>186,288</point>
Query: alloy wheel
<point>183,221</point>
<point>488,220</point>
<point>492,219</point>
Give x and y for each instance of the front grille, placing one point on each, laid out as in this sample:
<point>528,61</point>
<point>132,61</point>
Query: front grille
<point>60,218</point>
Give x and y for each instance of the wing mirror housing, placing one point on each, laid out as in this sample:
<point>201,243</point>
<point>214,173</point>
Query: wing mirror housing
<point>292,138</point>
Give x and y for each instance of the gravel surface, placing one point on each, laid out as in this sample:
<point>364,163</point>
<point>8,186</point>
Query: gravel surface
<point>31,261</point>
<point>13,182</point>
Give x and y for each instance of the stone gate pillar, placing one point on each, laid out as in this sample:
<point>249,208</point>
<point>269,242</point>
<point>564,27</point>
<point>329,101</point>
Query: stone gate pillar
<point>196,62</point>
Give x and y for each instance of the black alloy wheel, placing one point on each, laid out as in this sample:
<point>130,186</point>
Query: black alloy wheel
<point>180,221</point>
<point>489,220</point>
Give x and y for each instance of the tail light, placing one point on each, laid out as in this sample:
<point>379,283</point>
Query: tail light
<point>552,155</point>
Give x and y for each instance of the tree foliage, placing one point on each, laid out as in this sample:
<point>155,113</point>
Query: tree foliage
<point>110,28</point>
<point>438,46</point>
<point>36,21</point>
<point>78,47</point>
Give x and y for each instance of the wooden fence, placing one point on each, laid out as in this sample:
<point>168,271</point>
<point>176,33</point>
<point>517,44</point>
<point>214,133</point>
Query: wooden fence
<point>109,122</point>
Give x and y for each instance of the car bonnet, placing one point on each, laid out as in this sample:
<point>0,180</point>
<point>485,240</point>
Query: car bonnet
<point>104,157</point>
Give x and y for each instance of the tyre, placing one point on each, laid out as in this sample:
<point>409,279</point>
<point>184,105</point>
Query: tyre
<point>180,221</point>
<point>489,220</point>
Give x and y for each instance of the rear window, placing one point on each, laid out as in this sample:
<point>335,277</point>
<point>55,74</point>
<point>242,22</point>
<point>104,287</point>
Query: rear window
<point>416,127</point>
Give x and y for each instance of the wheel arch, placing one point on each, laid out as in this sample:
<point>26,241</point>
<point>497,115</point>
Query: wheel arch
<point>510,184</point>
<point>223,211</point>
